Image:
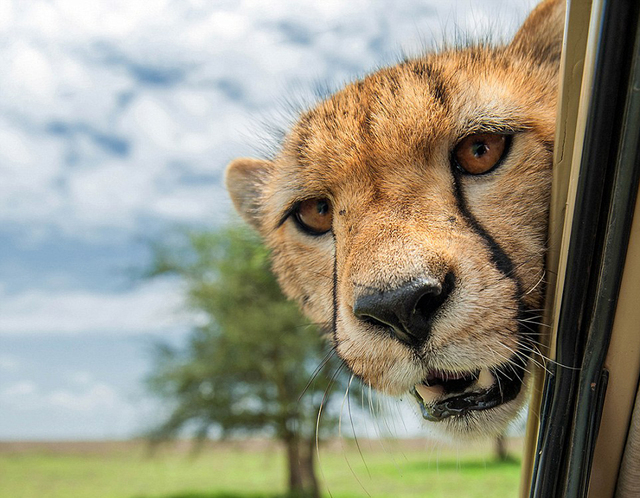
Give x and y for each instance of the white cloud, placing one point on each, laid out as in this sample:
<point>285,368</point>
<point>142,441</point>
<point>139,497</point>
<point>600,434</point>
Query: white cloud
<point>81,378</point>
<point>149,308</point>
<point>96,397</point>
<point>9,363</point>
<point>109,195</point>
<point>19,390</point>
<point>30,74</point>
<point>16,149</point>
<point>101,99</point>
<point>91,396</point>
<point>22,395</point>
<point>88,408</point>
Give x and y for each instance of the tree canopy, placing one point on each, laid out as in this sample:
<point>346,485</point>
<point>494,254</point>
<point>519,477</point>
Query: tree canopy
<point>247,364</point>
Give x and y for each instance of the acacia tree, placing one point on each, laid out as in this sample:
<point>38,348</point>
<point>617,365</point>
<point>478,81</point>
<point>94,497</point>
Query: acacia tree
<point>245,367</point>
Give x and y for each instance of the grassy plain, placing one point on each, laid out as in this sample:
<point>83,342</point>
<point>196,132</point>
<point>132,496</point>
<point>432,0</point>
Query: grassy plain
<point>253,469</point>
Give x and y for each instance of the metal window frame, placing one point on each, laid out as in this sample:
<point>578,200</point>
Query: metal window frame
<point>596,174</point>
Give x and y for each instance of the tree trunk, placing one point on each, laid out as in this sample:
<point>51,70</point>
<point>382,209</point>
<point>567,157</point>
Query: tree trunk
<point>308,465</point>
<point>296,486</point>
<point>300,460</point>
<point>501,449</point>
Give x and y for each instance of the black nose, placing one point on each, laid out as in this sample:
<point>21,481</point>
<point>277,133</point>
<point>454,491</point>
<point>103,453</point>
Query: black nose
<point>409,309</point>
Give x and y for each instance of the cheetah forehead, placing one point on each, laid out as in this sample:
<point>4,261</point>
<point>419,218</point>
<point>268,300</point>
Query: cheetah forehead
<point>404,113</point>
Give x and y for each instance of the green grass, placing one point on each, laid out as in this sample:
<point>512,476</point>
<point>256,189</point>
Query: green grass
<point>126,470</point>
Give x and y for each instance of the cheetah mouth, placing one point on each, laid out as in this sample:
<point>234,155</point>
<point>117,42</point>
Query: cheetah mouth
<point>442,395</point>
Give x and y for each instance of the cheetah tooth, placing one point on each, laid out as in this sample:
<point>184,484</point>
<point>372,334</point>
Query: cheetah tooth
<point>485,379</point>
<point>429,394</point>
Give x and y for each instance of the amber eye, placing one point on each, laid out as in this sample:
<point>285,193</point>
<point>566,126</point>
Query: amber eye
<point>315,215</point>
<point>480,152</point>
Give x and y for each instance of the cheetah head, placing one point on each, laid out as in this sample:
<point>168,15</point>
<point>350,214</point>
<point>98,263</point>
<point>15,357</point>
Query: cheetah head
<point>408,214</point>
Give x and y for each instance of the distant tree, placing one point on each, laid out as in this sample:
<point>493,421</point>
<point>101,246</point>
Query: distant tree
<point>502,454</point>
<point>246,366</point>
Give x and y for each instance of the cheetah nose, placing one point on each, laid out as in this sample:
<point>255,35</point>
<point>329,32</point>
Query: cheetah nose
<point>407,310</point>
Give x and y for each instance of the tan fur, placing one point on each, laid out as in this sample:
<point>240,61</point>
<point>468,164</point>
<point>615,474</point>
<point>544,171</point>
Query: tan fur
<point>380,151</point>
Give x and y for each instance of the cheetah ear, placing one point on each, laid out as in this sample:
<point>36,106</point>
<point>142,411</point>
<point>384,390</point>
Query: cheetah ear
<point>245,179</point>
<point>540,37</point>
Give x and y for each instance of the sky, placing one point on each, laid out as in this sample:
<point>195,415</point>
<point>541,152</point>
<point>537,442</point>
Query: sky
<point>117,119</point>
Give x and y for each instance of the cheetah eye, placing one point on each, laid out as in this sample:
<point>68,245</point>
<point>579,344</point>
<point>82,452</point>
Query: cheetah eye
<point>481,152</point>
<point>314,216</point>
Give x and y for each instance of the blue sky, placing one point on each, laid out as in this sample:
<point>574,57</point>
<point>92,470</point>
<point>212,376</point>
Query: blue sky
<point>117,118</point>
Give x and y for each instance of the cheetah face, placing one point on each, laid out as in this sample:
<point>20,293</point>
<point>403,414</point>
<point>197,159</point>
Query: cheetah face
<point>407,213</point>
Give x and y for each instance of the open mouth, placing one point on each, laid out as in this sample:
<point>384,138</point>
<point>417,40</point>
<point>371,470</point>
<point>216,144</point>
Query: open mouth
<point>447,394</point>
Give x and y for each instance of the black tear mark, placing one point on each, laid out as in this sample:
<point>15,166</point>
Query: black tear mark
<point>334,325</point>
<point>499,258</point>
<point>505,265</point>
